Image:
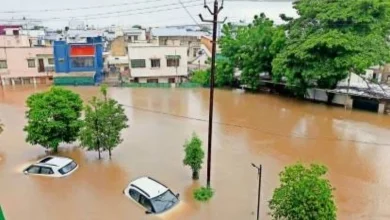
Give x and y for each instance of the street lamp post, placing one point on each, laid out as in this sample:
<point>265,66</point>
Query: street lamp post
<point>259,172</point>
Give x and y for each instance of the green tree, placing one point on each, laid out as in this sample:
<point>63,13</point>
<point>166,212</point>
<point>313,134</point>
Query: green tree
<point>203,194</point>
<point>224,76</point>
<point>194,155</point>
<point>329,39</point>
<point>104,121</point>
<point>303,195</point>
<point>252,48</point>
<point>1,128</point>
<point>201,77</point>
<point>53,117</point>
<point>137,26</point>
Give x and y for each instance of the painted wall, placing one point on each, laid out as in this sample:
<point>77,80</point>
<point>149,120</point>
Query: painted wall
<point>17,61</point>
<point>14,41</point>
<point>63,56</point>
<point>158,52</point>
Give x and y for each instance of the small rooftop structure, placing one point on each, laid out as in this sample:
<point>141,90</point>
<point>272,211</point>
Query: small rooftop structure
<point>176,32</point>
<point>367,90</point>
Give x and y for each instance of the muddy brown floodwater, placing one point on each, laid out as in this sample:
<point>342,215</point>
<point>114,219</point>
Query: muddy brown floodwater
<point>265,129</point>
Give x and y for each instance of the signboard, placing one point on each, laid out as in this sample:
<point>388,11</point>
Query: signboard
<point>82,50</point>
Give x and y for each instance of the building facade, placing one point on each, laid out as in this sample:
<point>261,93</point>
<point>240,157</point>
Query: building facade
<point>78,63</point>
<point>157,64</point>
<point>180,37</point>
<point>21,63</point>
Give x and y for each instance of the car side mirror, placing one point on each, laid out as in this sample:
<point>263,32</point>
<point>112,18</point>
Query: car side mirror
<point>178,195</point>
<point>25,172</point>
<point>148,212</point>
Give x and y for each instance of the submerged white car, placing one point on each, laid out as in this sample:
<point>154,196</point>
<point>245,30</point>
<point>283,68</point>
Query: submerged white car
<point>152,195</point>
<point>52,166</point>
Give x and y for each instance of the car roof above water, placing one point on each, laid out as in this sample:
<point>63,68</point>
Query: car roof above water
<point>55,161</point>
<point>149,186</point>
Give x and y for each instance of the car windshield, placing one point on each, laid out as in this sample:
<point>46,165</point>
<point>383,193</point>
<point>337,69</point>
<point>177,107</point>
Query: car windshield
<point>164,201</point>
<point>66,169</point>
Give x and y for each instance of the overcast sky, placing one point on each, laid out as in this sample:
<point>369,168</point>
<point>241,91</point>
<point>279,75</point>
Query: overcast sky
<point>100,13</point>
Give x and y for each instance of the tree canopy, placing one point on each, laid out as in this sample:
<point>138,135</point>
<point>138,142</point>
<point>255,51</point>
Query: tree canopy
<point>224,75</point>
<point>252,48</point>
<point>104,121</point>
<point>1,127</point>
<point>194,155</point>
<point>330,39</point>
<point>304,194</point>
<point>53,117</point>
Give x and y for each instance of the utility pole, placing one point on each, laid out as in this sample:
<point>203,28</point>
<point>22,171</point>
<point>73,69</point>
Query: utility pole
<point>259,172</point>
<point>215,21</point>
<point>347,95</point>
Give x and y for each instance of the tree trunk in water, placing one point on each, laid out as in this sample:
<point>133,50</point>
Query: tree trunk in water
<point>109,152</point>
<point>195,174</point>
<point>99,154</point>
<point>55,149</point>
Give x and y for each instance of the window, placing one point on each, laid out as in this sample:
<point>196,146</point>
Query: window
<point>164,201</point>
<point>66,169</point>
<point>196,52</point>
<point>138,63</point>
<point>145,203</point>
<point>50,61</point>
<point>152,80</point>
<point>82,62</point>
<point>31,63</point>
<point>33,169</point>
<point>171,80</point>
<point>135,38</point>
<point>173,62</point>
<point>3,64</point>
<point>46,170</point>
<point>155,63</point>
<point>134,194</point>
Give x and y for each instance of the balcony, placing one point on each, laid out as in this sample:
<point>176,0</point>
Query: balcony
<point>4,72</point>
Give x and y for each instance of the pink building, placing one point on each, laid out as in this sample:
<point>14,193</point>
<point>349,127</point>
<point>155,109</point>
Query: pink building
<point>22,64</point>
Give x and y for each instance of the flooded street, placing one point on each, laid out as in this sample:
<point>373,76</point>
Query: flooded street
<point>270,130</point>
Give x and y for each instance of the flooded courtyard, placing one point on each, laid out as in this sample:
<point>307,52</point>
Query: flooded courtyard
<point>248,128</point>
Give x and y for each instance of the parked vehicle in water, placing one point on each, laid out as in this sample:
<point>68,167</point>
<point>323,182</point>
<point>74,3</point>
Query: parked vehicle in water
<point>52,167</point>
<point>152,195</point>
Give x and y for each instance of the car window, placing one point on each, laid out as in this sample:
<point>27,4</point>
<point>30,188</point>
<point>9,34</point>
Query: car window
<point>69,167</point>
<point>134,194</point>
<point>145,202</point>
<point>164,201</point>
<point>46,171</point>
<point>33,169</point>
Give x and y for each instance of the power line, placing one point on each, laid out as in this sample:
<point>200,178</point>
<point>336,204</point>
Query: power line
<point>78,8</point>
<point>120,13</point>
<point>188,12</point>
<point>269,132</point>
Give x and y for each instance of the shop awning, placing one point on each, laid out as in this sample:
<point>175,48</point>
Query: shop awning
<point>172,57</point>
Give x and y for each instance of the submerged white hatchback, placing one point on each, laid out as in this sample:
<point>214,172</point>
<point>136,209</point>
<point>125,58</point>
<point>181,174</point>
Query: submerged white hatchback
<point>52,166</point>
<point>152,195</point>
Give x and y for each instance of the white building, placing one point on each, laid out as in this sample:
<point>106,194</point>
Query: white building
<point>180,36</point>
<point>151,63</point>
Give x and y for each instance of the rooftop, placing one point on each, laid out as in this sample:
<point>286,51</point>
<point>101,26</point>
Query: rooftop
<point>368,89</point>
<point>176,32</point>
<point>56,161</point>
<point>150,186</point>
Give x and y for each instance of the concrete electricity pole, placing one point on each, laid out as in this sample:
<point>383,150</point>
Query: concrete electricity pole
<point>215,21</point>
